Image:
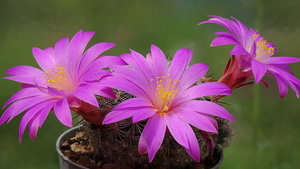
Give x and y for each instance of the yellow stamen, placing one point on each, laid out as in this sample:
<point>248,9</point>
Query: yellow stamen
<point>263,50</point>
<point>166,92</point>
<point>57,78</point>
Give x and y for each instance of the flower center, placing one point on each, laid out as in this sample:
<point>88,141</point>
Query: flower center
<point>57,77</point>
<point>166,91</point>
<point>264,50</point>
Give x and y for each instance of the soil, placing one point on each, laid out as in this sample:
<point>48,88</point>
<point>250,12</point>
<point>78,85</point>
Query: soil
<point>79,151</point>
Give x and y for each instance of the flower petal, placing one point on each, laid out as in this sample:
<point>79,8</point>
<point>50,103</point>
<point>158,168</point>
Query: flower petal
<point>139,64</point>
<point>153,134</point>
<point>143,113</point>
<point>33,128</point>
<point>259,69</point>
<point>237,29</point>
<point>158,60</point>
<point>239,50</point>
<point>38,120</point>
<point>238,35</point>
<point>62,112</point>
<point>208,107</point>
<point>105,92</point>
<point>24,70</point>
<point>133,103</point>
<point>93,75</point>
<point>28,116</point>
<point>132,76</point>
<point>125,85</point>
<point>42,58</point>
<point>180,62</point>
<point>60,50</point>
<point>285,79</point>
<point>118,115</point>
<point>137,78</point>
<point>26,74</point>
<point>176,128</point>
<point>201,90</point>
<point>281,60</point>
<point>198,120</point>
<point>56,93</point>
<point>92,53</point>
<point>139,108</point>
<point>85,95</point>
<point>75,50</point>
<point>18,107</point>
<point>105,62</point>
<point>44,113</point>
<point>23,94</point>
<point>142,147</point>
<point>223,40</point>
<point>77,45</point>
<point>142,67</point>
<point>191,75</point>
<point>193,148</point>
<point>282,85</point>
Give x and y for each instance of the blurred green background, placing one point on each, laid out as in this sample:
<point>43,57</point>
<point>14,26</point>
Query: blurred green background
<point>268,138</point>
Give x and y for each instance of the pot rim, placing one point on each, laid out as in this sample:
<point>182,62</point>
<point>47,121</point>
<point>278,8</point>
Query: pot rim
<point>220,161</point>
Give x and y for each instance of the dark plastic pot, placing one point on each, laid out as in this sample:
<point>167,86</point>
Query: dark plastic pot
<point>220,162</point>
<point>66,163</point>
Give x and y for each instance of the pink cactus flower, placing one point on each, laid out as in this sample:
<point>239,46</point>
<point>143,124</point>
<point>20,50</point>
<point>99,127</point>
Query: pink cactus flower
<point>166,96</point>
<point>69,78</point>
<point>254,55</point>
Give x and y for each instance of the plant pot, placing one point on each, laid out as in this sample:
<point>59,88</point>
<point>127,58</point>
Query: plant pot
<point>66,163</point>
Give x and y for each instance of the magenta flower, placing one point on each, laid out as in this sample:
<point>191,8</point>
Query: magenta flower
<point>256,53</point>
<point>166,96</point>
<point>69,77</point>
